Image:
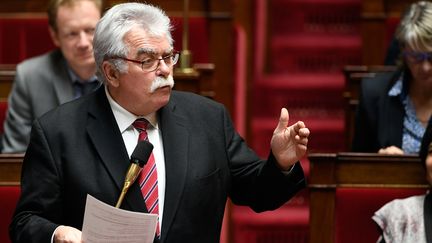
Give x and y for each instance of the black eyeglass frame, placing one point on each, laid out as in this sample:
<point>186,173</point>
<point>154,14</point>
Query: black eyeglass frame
<point>175,55</point>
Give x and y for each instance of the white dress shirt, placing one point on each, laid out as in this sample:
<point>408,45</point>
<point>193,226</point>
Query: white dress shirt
<point>130,138</point>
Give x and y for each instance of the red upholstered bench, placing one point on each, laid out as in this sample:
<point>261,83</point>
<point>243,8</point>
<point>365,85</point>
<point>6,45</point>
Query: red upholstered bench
<point>3,110</point>
<point>355,208</point>
<point>23,36</point>
<point>198,37</point>
<point>391,23</point>
<point>286,224</point>
<point>8,198</point>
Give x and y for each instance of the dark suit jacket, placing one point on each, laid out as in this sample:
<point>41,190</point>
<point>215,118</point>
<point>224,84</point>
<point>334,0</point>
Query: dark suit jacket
<point>379,118</point>
<point>77,149</point>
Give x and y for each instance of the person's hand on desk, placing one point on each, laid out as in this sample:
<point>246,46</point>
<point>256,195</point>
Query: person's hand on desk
<point>392,150</point>
<point>289,143</point>
<point>66,234</point>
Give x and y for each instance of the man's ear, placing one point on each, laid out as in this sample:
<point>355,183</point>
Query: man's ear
<point>54,36</point>
<point>111,74</point>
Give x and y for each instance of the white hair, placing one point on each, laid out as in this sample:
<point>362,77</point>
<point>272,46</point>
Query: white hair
<point>110,31</point>
<point>415,29</point>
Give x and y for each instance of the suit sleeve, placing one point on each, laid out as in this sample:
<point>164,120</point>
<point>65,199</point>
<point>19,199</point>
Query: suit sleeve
<point>19,116</point>
<point>40,203</point>
<point>258,183</point>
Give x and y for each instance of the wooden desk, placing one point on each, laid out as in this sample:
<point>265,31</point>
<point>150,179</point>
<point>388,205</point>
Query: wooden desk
<point>10,169</point>
<point>354,170</point>
<point>7,74</point>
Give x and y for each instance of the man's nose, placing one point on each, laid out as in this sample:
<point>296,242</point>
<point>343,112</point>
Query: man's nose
<point>426,65</point>
<point>84,39</point>
<point>163,69</point>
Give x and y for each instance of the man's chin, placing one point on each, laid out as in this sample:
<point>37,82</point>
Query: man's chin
<point>85,62</point>
<point>163,100</point>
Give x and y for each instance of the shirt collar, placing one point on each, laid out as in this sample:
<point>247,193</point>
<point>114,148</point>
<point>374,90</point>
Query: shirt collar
<point>75,78</point>
<point>124,118</point>
<point>400,87</point>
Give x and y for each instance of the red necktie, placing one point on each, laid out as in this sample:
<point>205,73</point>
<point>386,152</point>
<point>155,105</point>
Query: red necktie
<point>148,177</point>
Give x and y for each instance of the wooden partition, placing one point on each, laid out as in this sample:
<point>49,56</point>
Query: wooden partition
<point>330,172</point>
<point>10,169</point>
<point>7,74</point>
<point>10,174</point>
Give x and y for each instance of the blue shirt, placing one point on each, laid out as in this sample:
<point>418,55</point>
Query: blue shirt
<point>79,84</point>
<point>413,129</point>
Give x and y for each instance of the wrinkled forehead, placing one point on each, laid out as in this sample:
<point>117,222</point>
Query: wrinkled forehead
<point>140,42</point>
<point>153,52</point>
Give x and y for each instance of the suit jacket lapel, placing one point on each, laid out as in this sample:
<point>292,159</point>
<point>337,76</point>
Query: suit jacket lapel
<point>108,142</point>
<point>176,142</point>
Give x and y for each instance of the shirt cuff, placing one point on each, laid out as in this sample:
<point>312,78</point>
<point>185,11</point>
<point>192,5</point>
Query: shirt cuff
<point>52,236</point>
<point>286,172</point>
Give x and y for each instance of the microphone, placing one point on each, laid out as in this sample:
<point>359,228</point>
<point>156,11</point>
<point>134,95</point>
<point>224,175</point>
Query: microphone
<point>138,159</point>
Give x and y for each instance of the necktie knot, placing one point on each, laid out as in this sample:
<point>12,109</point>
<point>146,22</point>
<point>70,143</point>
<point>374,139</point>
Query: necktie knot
<point>140,124</point>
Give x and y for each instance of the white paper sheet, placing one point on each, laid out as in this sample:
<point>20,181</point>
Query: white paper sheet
<point>108,224</point>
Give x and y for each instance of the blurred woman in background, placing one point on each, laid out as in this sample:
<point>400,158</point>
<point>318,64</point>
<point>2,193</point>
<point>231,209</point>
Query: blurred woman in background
<point>394,108</point>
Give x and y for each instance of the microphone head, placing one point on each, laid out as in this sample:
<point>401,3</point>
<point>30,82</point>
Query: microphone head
<point>141,153</point>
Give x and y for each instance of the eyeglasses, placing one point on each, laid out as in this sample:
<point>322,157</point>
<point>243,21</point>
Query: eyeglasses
<point>152,64</point>
<point>417,57</point>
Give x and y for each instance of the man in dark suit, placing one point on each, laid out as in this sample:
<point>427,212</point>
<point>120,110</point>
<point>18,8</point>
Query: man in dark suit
<point>44,82</point>
<point>83,147</point>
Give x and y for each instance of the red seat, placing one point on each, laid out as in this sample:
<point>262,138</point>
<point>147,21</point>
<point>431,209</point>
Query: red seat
<point>8,198</point>
<point>287,224</point>
<point>23,37</point>
<point>391,23</point>
<point>3,111</point>
<point>198,37</point>
<point>355,207</point>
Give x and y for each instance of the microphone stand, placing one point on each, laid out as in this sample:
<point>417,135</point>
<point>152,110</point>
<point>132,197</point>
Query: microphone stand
<point>138,159</point>
<point>132,174</point>
<point>185,55</point>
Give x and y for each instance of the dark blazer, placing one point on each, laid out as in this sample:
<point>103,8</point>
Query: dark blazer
<point>41,83</point>
<point>77,149</point>
<point>379,118</point>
